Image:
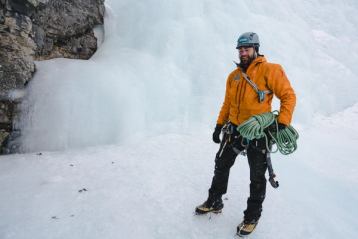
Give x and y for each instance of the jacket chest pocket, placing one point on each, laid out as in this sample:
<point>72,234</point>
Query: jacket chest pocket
<point>234,90</point>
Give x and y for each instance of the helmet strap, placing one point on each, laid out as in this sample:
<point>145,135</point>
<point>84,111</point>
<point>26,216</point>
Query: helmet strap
<point>255,54</point>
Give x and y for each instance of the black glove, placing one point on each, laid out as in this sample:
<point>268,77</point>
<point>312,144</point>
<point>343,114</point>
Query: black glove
<point>216,134</point>
<point>281,126</point>
<point>272,128</point>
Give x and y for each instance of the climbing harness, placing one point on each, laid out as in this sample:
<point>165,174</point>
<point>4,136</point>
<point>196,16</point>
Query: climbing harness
<point>228,132</point>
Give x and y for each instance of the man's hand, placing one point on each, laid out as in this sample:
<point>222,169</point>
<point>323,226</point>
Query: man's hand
<point>281,126</point>
<point>216,134</point>
<point>273,128</point>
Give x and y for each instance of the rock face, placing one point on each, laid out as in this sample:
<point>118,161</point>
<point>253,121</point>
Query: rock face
<point>40,30</point>
<point>64,28</point>
<point>17,50</point>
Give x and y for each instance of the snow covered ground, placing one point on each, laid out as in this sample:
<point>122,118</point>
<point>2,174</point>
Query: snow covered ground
<point>149,189</point>
<point>120,146</point>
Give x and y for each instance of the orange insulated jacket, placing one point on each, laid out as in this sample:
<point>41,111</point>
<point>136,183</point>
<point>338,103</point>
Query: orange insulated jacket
<point>241,100</point>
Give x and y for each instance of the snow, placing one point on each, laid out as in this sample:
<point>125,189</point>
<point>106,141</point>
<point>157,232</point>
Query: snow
<point>120,146</point>
<point>149,189</point>
<point>162,65</point>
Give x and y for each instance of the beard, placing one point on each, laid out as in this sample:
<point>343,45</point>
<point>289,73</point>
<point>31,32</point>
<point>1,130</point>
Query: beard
<point>246,61</point>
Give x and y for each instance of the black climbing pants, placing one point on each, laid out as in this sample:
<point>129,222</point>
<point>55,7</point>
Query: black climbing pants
<point>230,146</point>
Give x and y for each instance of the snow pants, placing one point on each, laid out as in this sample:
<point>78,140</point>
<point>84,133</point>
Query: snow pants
<point>225,159</point>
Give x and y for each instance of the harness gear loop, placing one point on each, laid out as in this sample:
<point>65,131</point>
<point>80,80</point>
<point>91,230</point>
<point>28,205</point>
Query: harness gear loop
<point>228,131</point>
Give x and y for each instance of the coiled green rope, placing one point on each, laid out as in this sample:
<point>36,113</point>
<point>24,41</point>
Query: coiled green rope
<point>254,128</point>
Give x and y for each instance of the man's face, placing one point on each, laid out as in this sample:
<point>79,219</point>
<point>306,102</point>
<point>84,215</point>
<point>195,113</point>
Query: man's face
<point>246,54</point>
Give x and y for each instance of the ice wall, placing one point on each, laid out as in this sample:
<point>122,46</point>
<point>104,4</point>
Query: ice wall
<point>163,64</point>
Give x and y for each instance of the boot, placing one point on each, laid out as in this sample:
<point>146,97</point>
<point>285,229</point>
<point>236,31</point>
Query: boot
<point>210,205</point>
<point>246,227</point>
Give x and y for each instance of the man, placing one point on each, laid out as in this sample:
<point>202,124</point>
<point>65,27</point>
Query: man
<point>241,102</point>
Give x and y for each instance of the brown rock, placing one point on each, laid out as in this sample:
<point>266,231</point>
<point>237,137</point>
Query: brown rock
<point>39,29</point>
